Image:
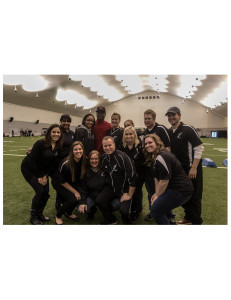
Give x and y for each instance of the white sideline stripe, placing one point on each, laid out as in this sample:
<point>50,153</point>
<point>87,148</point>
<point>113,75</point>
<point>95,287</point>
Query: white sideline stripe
<point>15,154</point>
<point>8,141</point>
<point>216,167</point>
<point>13,150</point>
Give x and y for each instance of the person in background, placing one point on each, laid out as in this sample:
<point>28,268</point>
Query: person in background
<point>173,188</point>
<point>152,127</point>
<point>85,134</point>
<point>132,146</point>
<point>95,184</point>
<point>120,175</point>
<point>101,127</point>
<point>68,184</point>
<point>188,148</point>
<point>40,163</point>
<point>116,131</point>
<point>138,131</point>
<point>68,135</point>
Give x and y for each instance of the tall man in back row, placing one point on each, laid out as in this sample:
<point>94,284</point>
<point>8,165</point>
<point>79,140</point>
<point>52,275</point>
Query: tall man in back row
<point>187,147</point>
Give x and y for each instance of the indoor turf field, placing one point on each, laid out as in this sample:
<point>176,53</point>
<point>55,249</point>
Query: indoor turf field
<point>17,193</point>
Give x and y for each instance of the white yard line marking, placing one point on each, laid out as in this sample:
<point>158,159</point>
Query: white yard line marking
<point>8,141</point>
<point>15,154</point>
<point>216,167</point>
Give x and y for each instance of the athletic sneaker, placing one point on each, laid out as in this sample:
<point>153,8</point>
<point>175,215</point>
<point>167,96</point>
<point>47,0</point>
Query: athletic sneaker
<point>148,217</point>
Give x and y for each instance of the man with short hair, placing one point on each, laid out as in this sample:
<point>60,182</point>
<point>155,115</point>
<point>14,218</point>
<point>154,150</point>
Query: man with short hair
<point>101,127</point>
<point>153,127</point>
<point>187,147</point>
<point>121,177</point>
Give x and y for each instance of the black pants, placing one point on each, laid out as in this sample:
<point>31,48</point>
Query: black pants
<point>67,198</point>
<point>137,197</point>
<point>103,202</point>
<point>192,208</point>
<point>41,196</point>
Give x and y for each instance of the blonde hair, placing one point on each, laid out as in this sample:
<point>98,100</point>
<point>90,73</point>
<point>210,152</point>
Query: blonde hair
<point>151,157</point>
<point>136,140</point>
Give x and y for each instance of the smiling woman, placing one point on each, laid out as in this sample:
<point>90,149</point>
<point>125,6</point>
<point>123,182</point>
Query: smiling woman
<point>37,166</point>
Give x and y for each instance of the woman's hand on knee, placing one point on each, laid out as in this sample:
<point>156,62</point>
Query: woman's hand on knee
<point>154,197</point>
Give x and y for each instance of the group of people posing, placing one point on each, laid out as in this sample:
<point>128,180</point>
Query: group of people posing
<point>102,166</point>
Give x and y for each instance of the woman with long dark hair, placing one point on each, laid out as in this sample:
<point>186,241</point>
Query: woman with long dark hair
<point>173,187</point>
<point>68,183</point>
<point>84,133</point>
<point>37,166</point>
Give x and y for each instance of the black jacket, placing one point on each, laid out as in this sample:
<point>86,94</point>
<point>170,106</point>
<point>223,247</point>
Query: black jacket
<point>87,137</point>
<point>120,171</point>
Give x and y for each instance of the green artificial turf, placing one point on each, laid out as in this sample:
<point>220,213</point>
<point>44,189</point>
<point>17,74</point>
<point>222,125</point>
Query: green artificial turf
<point>17,193</point>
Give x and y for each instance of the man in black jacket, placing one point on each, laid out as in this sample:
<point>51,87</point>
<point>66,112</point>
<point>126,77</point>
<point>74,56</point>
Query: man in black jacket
<point>188,148</point>
<point>121,178</point>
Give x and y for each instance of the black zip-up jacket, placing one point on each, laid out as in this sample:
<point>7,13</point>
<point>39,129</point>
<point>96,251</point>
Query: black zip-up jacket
<point>120,171</point>
<point>137,155</point>
<point>86,137</point>
<point>117,135</point>
<point>42,160</point>
<point>68,139</point>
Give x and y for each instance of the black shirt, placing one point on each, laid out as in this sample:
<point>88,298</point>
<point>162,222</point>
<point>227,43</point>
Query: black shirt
<point>167,167</point>
<point>120,171</point>
<point>137,155</point>
<point>94,183</point>
<point>183,140</point>
<point>161,131</point>
<point>68,139</point>
<point>117,135</point>
<point>42,160</point>
<point>86,137</point>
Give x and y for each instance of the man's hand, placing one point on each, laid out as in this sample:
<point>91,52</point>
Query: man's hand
<point>125,197</point>
<point>192,173</point>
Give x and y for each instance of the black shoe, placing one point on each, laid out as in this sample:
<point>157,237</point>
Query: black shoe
<point>106,222</point>
<point>41,217</point>
<point>91,213</point>
<point>148,217</point>
<point>34,218</point>
<point>134,217</point>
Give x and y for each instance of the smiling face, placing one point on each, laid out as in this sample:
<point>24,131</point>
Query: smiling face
<point>77,152</point>
<point>94,161</point>
<point>89,122</point>
<point>129,136</point>
<point>108,146</point>
<point>65,124</point>
<point>115,121</point>
<point>150,145</point>
<point>174,119</point>
<point>149,121</point>
<point>55,134</point>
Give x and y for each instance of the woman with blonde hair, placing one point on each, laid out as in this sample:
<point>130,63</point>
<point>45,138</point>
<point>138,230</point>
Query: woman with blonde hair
<point>68,183</point>
<point>173,187</point>
<point>133,148</point>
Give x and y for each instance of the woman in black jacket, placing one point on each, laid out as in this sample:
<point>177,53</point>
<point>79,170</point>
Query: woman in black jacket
<point>68,183</point>
<point>38,165</point>
<point>132,146</point>
<point>85,134</point>
<point>95,183</point>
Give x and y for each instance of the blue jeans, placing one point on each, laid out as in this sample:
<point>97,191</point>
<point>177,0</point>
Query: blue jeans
<point>115,203</point>
<point>166,202</point>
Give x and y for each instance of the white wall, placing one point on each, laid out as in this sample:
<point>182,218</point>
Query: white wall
<point>29,114</point>
<point>192,113</point>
